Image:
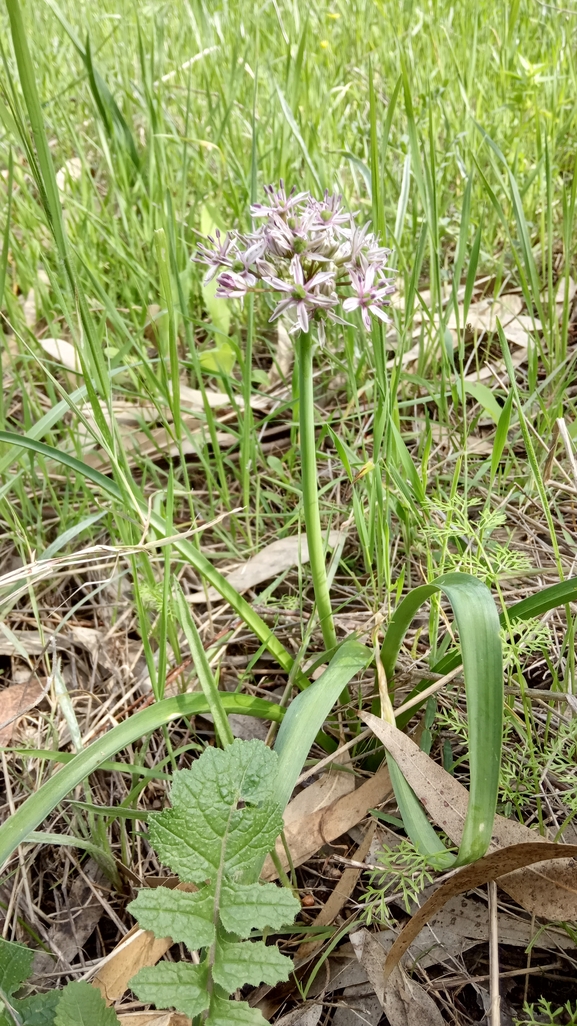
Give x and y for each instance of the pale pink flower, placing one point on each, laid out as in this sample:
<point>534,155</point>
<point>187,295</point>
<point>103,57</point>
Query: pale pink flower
<point>369,298</point>
<point>304,251</point>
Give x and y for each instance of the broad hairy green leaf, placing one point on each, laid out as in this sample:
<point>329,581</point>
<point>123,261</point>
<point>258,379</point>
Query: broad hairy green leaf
<point>207,829</point>
<point>15,966</point>
<point>224,818</point>
<point>238,962</point>
<point>188,918</point>
<point>174,985</point>
<point>233,1013</point>
<point>83,1005</point>
<point>185,917</point>
<point>38,1009</point>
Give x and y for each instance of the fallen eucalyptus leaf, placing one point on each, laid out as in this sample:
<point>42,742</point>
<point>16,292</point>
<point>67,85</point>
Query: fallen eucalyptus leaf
<point>548,891</point>
<point>306,1015</point>
<point>403,1000</point>
<point>307,835</point>
<point>17,700</point>
<point>62,351</point>
<point>491,867</point>
<point>275,558</point>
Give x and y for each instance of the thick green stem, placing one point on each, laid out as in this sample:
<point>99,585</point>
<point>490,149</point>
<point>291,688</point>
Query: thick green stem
<point>310,490</point>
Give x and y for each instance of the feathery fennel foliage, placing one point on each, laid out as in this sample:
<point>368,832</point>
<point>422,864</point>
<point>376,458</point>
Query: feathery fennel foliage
<point>223,821</point>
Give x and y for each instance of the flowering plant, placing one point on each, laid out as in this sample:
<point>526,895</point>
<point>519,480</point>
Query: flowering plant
<point>305,250</point>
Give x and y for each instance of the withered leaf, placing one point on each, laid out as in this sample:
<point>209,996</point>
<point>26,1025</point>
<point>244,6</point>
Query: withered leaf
<point>548,891</point>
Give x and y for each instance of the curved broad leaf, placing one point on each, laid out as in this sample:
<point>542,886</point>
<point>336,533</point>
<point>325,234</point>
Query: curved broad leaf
<point>478,624</point>
<point>308,711</point>
<point>534,605</point>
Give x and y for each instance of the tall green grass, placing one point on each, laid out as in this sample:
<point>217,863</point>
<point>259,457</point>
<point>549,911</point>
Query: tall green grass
<point>450,127</point>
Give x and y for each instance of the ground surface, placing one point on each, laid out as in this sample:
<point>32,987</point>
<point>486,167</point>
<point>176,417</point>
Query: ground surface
<point>465,161</point>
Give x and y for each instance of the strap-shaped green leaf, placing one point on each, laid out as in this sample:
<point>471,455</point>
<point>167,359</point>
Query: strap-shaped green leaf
<point>308,711</point>
<point>478,623</point>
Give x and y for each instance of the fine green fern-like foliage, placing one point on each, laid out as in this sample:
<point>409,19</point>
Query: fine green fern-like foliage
<point>223,821</point>
<point>78,1004</point>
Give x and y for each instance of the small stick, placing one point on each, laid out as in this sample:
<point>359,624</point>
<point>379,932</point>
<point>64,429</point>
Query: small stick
<point>495,1015</point>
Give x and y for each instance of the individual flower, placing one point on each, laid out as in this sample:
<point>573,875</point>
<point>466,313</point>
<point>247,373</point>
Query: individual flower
<point>304,296</point>
<point>369,298</point>
<point>279,201</point>
<point>231,286</point>
<point>330,211</point>
<point>217,255</point>
<point>244,261</point>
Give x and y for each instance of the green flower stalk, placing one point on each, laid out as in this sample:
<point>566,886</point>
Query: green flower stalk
<point>304,251</point>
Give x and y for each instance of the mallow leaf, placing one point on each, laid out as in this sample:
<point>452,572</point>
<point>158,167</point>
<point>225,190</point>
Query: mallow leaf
<point>258,904</point>
<point>185,917</point>
<point>223,808</point>
<point>224,819</point>
<point>15,966</point>
<point>81,1004</point>
<point>174,985</point>
<point>237,963</point>
<point>38,1009</point>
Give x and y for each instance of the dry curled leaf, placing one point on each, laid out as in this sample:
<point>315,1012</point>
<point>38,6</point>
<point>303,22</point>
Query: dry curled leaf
<point>274,559</point>
<point>17,700</point>
<point>548,891</point>
<point>62,351</point>
<point>307,1015</point>
<point>71,171</point>
<point>492,867</point>
<point>403,1000</point>
<point>307,835</point>
<point>330,786</point>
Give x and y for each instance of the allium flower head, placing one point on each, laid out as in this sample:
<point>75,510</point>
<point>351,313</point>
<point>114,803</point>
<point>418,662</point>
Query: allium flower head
<point>310,253</point>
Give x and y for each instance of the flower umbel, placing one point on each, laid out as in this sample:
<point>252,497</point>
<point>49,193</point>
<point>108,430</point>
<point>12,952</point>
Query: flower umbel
<point>304,250</point>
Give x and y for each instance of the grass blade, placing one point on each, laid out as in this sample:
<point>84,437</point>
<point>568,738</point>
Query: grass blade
<point>204,673</point>
<point>34,810</point>
<point>186,549</point>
